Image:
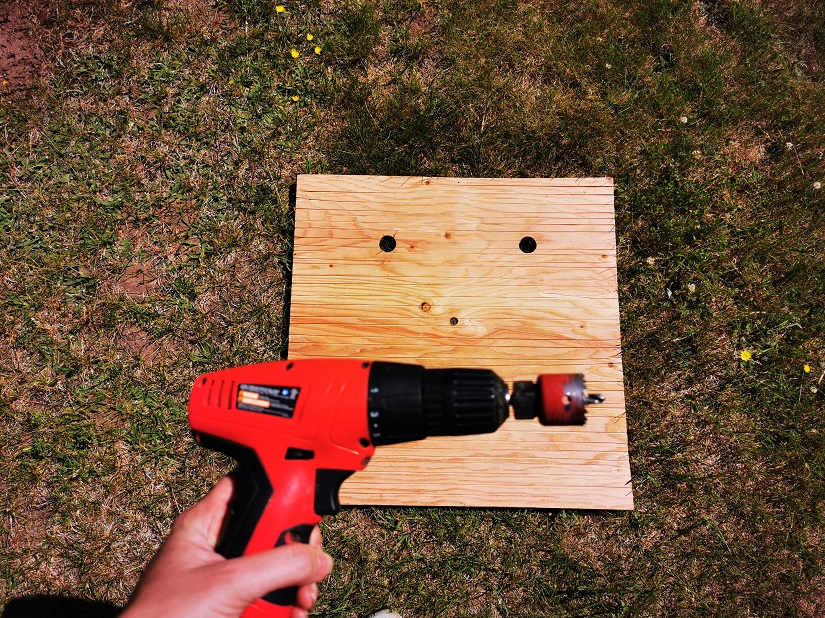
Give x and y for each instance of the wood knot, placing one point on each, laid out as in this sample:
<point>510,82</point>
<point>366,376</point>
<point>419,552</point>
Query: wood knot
<point>425,306</point>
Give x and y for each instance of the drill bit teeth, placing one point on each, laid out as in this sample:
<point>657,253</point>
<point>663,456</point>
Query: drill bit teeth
<point>556,399</point>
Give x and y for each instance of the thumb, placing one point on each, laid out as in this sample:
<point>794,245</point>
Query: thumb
<point>256,575</point>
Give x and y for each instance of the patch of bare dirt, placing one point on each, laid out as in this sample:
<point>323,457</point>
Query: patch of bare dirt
<point>23,62</point>
<point>137,281</point>
<point>424,24</point>
<point>35,33</point>
<point>140,343</point>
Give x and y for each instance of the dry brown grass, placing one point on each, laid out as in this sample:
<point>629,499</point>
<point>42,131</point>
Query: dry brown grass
<point>146,229</point>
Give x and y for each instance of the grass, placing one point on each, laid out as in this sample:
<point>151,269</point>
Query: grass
<point>146,226</point>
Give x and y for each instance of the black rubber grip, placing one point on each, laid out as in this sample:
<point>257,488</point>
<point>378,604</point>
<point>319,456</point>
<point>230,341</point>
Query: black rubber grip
<point>251,495</point>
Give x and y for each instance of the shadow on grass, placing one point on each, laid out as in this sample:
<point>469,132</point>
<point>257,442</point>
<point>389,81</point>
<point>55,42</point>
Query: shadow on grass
<point>47,606</point>
<point>289,233</point>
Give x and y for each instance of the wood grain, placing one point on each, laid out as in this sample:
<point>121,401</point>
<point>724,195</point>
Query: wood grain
<point>457,257</point>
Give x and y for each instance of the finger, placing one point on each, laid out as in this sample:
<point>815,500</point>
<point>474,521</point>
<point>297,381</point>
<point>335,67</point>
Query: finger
<point>256,575</point>
<point>203,520</point>
<point>306,597</point>
<point>217,504</point>
<point>315,537</point>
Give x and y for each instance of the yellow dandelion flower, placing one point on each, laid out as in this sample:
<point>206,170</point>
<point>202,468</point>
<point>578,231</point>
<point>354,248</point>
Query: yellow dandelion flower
<point>4,82</point>
<point>295,53</point>
<point>280,8</point>
<point>231,82</point>
<point>807,368</point>
<point>310,37</point>
<point>296,98</point>
<point>746,355</point>
<point>317,50</point>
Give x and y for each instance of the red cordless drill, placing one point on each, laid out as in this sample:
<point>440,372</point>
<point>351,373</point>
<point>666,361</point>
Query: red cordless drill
<point>298,429</point>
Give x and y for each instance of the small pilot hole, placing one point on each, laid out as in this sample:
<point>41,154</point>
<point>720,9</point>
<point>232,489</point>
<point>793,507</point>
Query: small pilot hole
<point>364,442</point>
<point>453,321</point>
<point>527,244</point>
<point>387,243</point>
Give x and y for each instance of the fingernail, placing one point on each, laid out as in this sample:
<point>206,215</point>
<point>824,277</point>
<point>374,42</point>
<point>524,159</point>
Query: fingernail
<point>328,560</point>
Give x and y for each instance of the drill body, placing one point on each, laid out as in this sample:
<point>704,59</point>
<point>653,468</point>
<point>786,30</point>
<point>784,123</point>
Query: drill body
<point>298,429</point>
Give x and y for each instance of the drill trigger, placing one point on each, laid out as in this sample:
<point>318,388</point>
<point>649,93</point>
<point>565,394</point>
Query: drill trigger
<point>297,534</point>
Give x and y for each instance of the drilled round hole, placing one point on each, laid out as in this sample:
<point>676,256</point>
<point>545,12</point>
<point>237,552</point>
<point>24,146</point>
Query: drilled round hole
<point>387,243</point>
<point>453,321</point>
<point>527,244</point>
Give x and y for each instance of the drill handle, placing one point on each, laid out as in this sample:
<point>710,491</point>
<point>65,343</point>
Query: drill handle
<point>263,515</point>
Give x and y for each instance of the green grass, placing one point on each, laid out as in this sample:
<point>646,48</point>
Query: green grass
<point>145,223</point>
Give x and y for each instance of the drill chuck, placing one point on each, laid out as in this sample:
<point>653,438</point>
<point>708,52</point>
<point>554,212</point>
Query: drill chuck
<point>459,402</point>
<point>408,402</point>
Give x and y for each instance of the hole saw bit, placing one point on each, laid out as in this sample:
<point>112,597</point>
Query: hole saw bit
<point>555,399</point>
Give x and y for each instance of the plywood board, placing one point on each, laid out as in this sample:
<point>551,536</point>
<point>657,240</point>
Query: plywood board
<point>458,291</point>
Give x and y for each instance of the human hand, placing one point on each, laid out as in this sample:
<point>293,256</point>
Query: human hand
<point>188,577</point>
